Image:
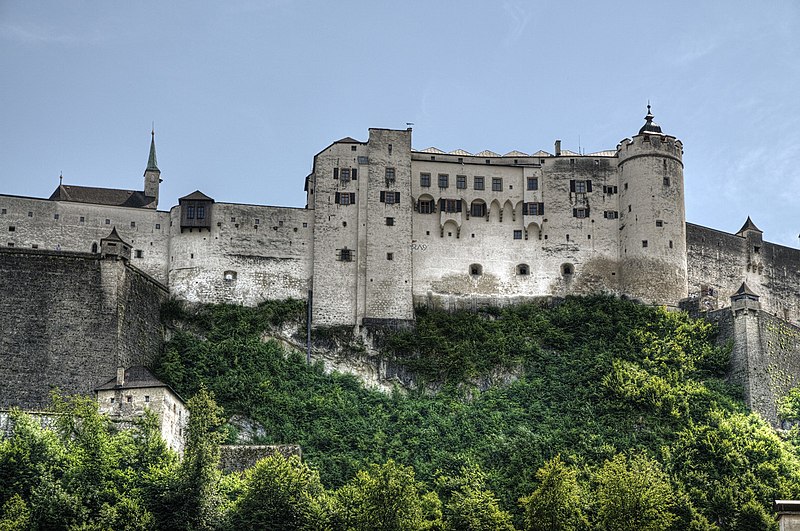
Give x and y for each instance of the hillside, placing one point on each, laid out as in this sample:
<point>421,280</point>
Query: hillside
<point>590,384</point>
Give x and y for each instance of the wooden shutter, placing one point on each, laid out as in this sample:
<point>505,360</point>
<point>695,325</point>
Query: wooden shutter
<point>354,173</point>
<point>352,198</point>
<point>588,186</point>
<point>458,206</point>
<point>441,205</point>
<point>383,196</point>
<point>541,209</point>
<point>336,173</point>
<point>574,212</point>
<point>338,199</point>
<point>572,185</point>
<point>397,197</point>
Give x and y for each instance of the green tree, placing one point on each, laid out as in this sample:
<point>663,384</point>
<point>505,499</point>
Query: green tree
<point>386,497</point>
<point>556,504</point>
<point>15,515</point>
<point>634,495</point>
<point>469,504</point>
<point>280,493</point>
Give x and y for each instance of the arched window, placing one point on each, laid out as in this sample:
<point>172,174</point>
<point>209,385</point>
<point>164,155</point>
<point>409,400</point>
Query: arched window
<point>94,247</point>
<point>523,269</point>
<point>475,270</point>
<point>229,276</point>
<point>567,269</point>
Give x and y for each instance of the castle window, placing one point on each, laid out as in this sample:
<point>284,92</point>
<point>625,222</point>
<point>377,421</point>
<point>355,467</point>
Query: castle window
<point>129,399</point>
<point>94,247</point>
<point>425,180</point>
<point>611,214</point>
<point>610,190</point>
<point>108,221</point>
<point>139,253</point>
<point>3,211</point>
<point>425,207</point>
<point>390,256</point>
<point>390,198</point>
<point>475,270</point>
<point>659,223</point>
<point>497,184</point>
<point>477,183</point>
<point>523,269</point>
<point>626,186</point>
<point>353,148</point>
<point>450,205</point>
<point>629,208</point>
<point>757,249</point>
<point>229,276</point>
<point>30,214</point>
<point>35,246</point>
<point>517,234</point>
<point>305,225</point>
<point>580,186</point>
<point>644,243</point>
<point>390,149</point>
<point>11,244</point>
<point>582,212</point>
<point>158,226</point>
<point>567,269</point>
<point>336,173</point>
<point>478,209</point>
<point>133,224</point>
<point>345,255</point>
<point>541,161</point>
<point>112,399</point>
<point>389,176</point>
<point>390,222</point>
<point>11,228</point>
<point>82,219</point>
<point>461,182</point>
<point>344,198</point>
<point>533,183</point>
<point>258,221</point>
<point>532,209</point>
<point>147,398</point>
<point>666,181</point>
<point>444,180</point>
<point>670,244</point>
<point>344,175</point>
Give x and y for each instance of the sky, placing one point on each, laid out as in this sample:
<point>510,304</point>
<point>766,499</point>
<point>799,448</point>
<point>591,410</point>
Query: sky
<point>244,93</point>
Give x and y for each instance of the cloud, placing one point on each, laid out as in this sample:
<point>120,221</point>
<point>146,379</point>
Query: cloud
<point>40,35</point>
<point>520,17</point>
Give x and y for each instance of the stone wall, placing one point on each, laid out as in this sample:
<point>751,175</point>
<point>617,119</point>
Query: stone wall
<point>237,458</point>
<point>68,320</point>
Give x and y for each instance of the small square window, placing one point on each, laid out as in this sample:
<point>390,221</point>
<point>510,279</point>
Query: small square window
<point>55,216</point>
<point>666,181</point>
<point>390,175</point>
<point>158,226</point>
<point>517,234</point>
<point>147,398</point>
<point>659,223</point>
<point>390,222</point>
<point>11,244</point>
<point>644,243</point>
<point>133,224</point>
<point>30,214</point>
<point>305,225</point>
<point>3,211</point>
<point>138,253</point>
<point>259,221</point>
<point>346,255</point>
<point>390,256</point>
<point>83,219</point>
<point>12,228</point>
<point>233,220</point>
<point>129,399</point>
<point>352,148</point>
<point>108,221</point>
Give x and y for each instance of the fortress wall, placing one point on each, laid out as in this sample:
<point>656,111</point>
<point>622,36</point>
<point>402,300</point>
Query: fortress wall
<point>443,255</point>
<point>722,261</point>
<point>57,225</point>
<point>268,249</point>
<point>62,318</point>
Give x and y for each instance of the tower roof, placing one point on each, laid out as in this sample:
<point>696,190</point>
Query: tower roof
<point>748,225</point>
<point>152,165</point>
<point>650,126</point>
<point>114,236</point>
<point>744,291</point>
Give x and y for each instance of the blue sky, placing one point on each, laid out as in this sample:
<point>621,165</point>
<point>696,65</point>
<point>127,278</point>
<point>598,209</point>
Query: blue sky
<point>244,93</point>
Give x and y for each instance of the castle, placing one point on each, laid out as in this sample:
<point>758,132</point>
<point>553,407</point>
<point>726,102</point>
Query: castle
<point>387,228</point>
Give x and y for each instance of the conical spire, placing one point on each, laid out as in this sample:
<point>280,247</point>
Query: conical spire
<point>748,225</point>
<point>650,126</point>
<point>151,162</point>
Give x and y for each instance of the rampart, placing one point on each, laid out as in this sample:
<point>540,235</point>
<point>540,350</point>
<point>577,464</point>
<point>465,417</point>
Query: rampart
<point>68,320</point>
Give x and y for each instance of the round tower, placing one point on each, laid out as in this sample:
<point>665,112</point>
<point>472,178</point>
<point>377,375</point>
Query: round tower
<point>652,216</point>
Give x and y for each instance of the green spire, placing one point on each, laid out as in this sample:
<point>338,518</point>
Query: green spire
<point>151,162</point>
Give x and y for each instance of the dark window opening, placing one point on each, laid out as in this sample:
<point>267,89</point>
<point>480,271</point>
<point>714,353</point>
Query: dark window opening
<point>518,235</point>
<point>138,253</point>
<point>523,269</point>
<point>390,256</point>
<point>478,209</point>
<point>478,183</point>
<point>659,223</point>
<point>425,180</point>
<point>497,184</point>
<point>461,182</point>
<point>567,269</point>
<point>345,255</point>
<point>475,270</point>
<point>644,243</point>
<point>444,180</point>
<point>390,222</point>
<point>533,183</point>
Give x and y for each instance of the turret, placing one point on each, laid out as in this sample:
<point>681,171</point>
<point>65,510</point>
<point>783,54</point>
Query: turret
<point>152,175</point>
<point>652,216</point>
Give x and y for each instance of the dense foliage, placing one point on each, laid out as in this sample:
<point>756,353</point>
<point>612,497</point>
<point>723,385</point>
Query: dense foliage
<point>611,415</point>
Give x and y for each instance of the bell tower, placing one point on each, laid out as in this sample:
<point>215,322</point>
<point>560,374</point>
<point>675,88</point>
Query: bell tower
<point>152,175</point>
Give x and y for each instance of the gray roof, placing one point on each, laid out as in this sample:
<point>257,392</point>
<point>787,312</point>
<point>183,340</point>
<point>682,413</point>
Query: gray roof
<point>114,236</point>
<point>101,196</point>
<point>151,161</point>
<point>197,195</point>
<point>135,378</point>
<point>748,225</point>
<point>650,126</point>
<point>744,289</point>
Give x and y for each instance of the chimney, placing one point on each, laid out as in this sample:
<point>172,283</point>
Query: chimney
<point>120,376</point>
<point>558,148</point>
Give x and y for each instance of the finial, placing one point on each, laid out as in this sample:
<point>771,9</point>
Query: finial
<point>60,177</point>
<point>153,129</point>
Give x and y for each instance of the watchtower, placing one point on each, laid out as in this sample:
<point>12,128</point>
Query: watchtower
<point>652,216</point>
